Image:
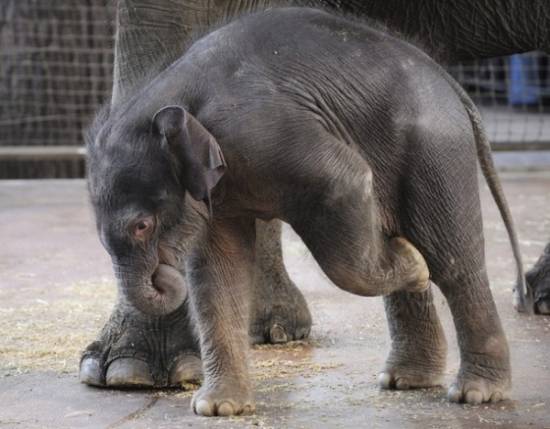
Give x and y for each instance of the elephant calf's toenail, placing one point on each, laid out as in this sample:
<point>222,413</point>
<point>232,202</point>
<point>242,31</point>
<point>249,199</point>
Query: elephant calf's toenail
<point>248,409</point>
<point>203,408</point>
<point>474,397</point>
<point>497,397</point>
<point>225,409</point>
<point>384,380</point>
<point>454,394</point>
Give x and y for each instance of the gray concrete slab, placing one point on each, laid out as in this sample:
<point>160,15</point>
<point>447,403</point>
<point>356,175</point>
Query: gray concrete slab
<point>56,290</point>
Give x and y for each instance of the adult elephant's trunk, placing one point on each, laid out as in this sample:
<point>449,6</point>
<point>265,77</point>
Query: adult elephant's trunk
<point>150,35</point>
<point>156,295</point>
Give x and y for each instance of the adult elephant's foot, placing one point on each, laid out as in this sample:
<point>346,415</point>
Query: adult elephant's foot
<point>137,350</point>
<point>418,352</point>
<point>538,280</point>
<point>279,314</point>
<point>481,379</point>
<point>279,310</point>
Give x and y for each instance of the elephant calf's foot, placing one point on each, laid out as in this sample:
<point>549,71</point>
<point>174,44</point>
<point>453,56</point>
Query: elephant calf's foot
<point>135,350</point>
<point>415,366</point>
<point>475,390</point>
<point>403,378</point>
<point>222,399</point>
<point>479,381</point>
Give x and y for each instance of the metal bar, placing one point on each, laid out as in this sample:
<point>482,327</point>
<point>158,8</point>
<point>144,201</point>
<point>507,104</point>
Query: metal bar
<point>522,146</point>
<point>54,153</point>
<point>42,153</point>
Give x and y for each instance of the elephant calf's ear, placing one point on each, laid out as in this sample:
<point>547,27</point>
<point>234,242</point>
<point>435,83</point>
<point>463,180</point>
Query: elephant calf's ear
<point>199,156</point>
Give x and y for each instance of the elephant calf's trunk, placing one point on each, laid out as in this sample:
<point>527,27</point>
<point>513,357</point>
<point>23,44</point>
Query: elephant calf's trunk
<point>163,294</point>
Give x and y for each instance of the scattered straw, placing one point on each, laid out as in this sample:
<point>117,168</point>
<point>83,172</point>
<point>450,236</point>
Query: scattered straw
<point>50,334</point>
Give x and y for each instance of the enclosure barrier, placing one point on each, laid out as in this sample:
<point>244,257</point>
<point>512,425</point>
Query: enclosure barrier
<point>78,153</point>
<point>56,62</point>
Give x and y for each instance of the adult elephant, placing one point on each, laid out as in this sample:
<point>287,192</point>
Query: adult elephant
<point>138,350</point>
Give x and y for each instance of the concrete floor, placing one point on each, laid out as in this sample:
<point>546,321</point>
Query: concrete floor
<point>56,289</point>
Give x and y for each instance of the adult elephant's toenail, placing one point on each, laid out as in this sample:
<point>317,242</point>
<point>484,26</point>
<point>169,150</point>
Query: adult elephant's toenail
<point>186,369</point>
<point>402,384</point>
<point>90,372</point>
<point>277,334</point>
<point>129,372</point>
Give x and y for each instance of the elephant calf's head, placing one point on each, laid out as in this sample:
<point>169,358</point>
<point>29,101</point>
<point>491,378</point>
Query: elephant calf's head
<point>147,180</point>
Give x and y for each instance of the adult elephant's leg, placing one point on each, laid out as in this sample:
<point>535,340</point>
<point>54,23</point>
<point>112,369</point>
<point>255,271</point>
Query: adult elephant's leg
<point>418,347</point>
<point>137,350</point>
<point>538,280</point>
<point>134,349</point>
<point>279,310</point>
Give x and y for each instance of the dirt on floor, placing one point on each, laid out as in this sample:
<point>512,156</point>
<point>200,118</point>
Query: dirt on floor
<point>57,290</point>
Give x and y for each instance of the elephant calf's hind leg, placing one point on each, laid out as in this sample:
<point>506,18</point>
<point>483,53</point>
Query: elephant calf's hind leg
<point>418,346</point>
<point>342,229</point>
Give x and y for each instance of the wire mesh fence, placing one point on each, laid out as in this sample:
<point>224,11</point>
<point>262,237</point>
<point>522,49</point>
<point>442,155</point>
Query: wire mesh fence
<point>56,60</point>
<point>513,94</point>
<point>55,69</point>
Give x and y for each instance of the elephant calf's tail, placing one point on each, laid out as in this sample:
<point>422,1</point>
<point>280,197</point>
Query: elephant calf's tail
<point>523,297</point>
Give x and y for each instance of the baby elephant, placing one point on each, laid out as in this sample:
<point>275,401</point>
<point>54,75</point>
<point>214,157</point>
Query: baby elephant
<point>356,139</point>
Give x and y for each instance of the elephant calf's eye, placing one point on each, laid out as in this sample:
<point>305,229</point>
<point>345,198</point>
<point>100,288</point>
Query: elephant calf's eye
<point>143,228</point>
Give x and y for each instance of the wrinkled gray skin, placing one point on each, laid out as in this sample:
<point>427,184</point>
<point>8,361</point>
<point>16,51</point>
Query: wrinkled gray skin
<point>357,139</point>
<point>129,350</point>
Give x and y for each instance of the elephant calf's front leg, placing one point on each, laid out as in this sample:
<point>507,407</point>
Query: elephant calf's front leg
<point>221,273</point>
